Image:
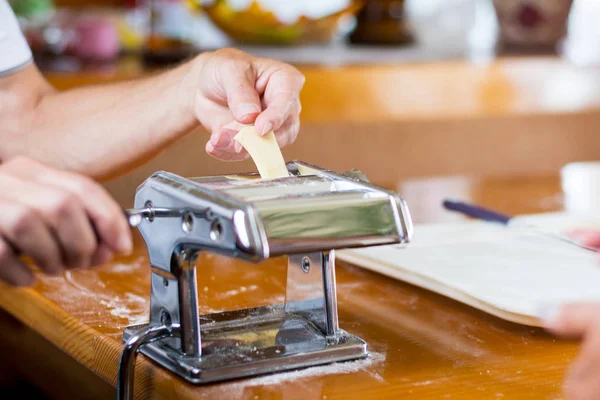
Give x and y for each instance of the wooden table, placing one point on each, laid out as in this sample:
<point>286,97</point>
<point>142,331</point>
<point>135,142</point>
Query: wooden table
<point>423,345</point>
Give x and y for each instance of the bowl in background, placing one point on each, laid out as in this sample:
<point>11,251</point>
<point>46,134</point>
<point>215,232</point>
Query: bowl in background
<point>256,24</point>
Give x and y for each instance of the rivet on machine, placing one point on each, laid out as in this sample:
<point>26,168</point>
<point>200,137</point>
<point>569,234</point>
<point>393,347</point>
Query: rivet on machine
<point>306,217</point>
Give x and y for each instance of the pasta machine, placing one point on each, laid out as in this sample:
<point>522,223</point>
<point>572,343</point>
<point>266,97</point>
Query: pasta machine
<point>306,216</point>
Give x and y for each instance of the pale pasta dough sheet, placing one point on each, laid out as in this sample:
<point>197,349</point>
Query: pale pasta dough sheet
<point>265,153</point>
<point>505,271</point>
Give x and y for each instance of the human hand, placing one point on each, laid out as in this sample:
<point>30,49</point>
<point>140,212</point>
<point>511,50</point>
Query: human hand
<point>580,321</point>
<point>59,219</point>
<point>229,89</point>
<point>586,237</point>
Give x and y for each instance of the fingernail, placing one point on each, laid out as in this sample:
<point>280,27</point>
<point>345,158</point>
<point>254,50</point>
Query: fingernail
<point>225,141</point>
<point>210,148</point>
<point>246,109</point>
<point>222,141</point>
<point>548,313</point>
<point>238,147</point>
<point>125,245</point>
<point>268,127</point>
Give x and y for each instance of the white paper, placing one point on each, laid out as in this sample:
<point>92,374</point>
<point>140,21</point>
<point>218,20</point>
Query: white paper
<point>497,269</point>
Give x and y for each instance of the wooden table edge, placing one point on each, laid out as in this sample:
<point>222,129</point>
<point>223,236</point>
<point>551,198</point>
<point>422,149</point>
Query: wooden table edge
<point>90,348</point>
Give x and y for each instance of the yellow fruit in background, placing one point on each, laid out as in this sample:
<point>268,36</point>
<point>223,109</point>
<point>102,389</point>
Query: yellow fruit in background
<point>260,26</point>
<point>129,37</point>
<point>195,6</point>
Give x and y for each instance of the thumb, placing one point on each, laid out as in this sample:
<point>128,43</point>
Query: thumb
<point>242,98</point>
<point>570,320</point>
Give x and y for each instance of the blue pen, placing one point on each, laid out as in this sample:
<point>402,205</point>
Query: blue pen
<point>476,211</point>
<point>485,214</point>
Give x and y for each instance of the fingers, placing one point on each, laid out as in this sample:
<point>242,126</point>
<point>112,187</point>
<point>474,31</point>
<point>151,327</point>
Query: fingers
<point>223,139</point>
<point>57,219</point>
<point>223,147</point>
<point>587,238</point>
<point>64,213</point>
<point>238,78</point>
<point>582,381</point>
<point>12,270</point>
<point>288,133</point>
<point>103,255</point>
<point>80,211</point>
<point>579,321</point>
<point>234,86</point>
<point>213,115</point>
<point>283,106</point>
<point>571,320</point>
<point>281,99</point>
<point>107,217</point>
<point>223,126</point>
<point>26,231</point>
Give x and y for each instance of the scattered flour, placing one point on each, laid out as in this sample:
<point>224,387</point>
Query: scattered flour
<point>134,298</point>
<point>81,288</point>
<point>69,278</point>
<point>430,382</point>
<point>132,308</point>
<point>236,292</point>
<point>117,268</point>
<point>364,365</point>
<point>350,285</point>
<point>132,318</point>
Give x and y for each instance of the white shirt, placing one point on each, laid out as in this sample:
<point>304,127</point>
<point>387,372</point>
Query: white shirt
<point>14,50</point>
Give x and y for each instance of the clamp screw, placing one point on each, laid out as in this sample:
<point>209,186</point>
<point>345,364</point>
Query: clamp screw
<point>150,207</point>
<point>216,230</point>
<point>187,222</point>
<point>305,265</point>
<point>165,318</point>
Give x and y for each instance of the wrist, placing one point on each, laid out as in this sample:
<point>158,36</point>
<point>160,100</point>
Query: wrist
<point>188,87</point>
<point>177,97</point>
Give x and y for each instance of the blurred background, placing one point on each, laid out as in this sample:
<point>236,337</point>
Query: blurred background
<point>401,90</point>
<point>309,32</point>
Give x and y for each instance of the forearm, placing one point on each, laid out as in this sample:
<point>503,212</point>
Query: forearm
<point>99,130</point>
